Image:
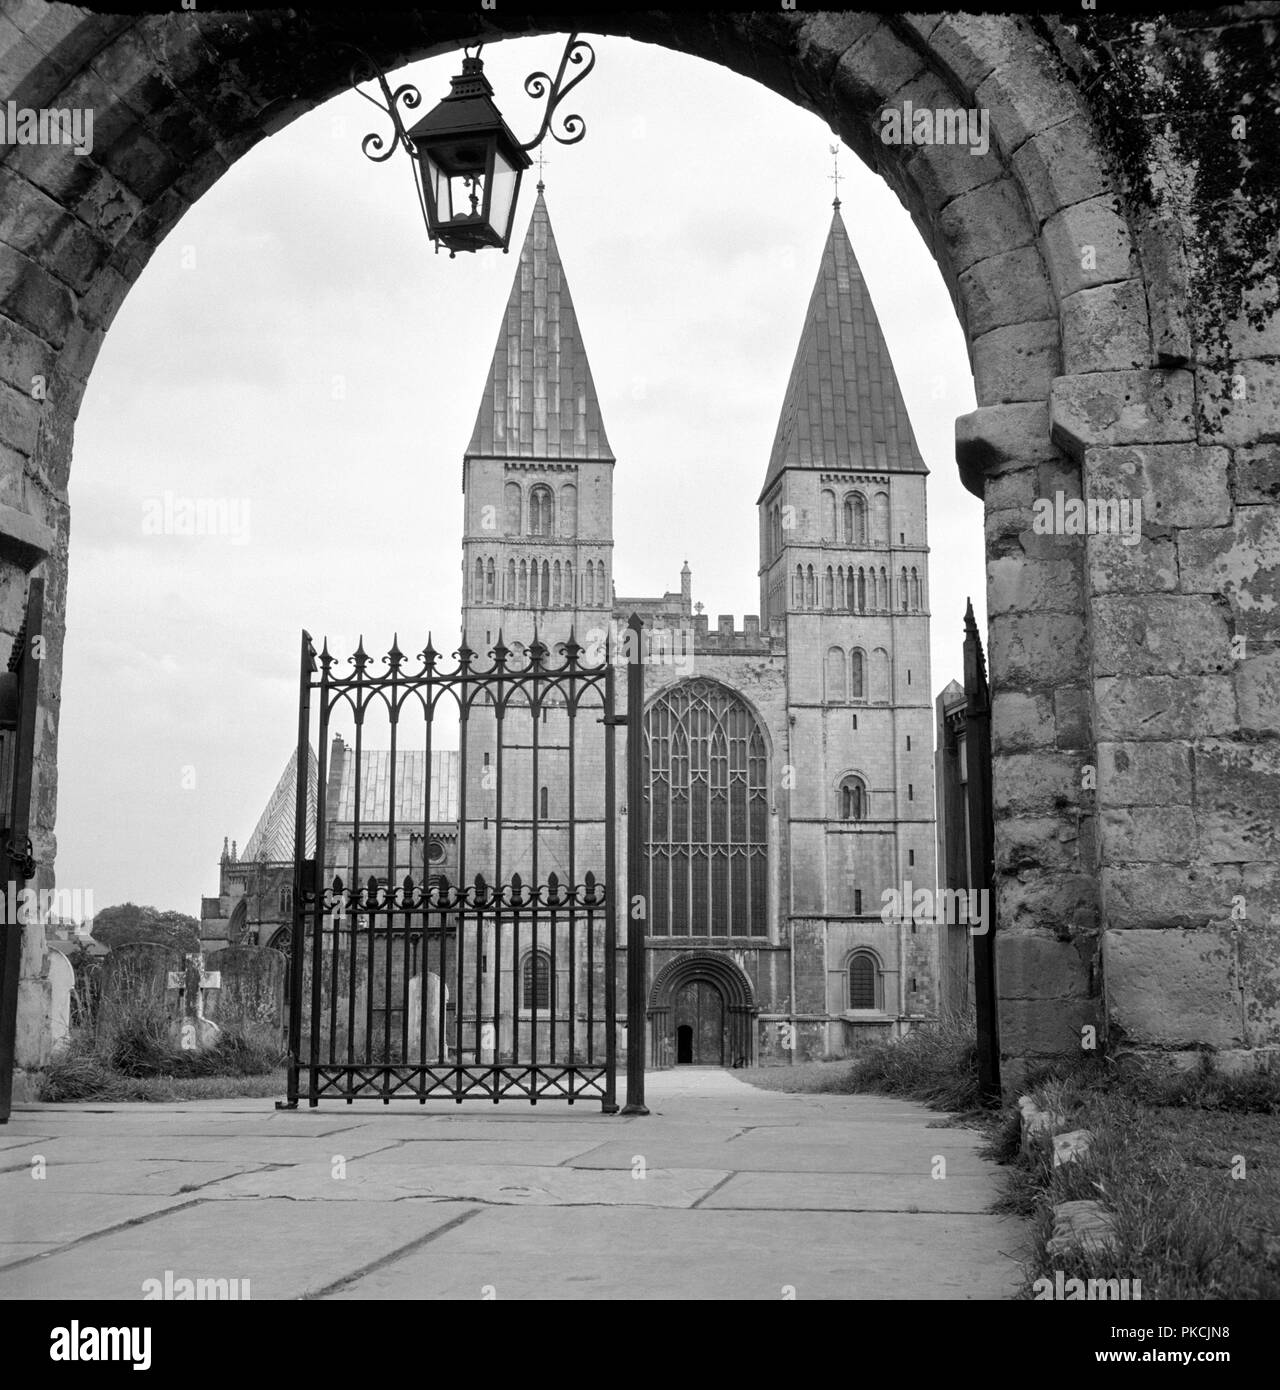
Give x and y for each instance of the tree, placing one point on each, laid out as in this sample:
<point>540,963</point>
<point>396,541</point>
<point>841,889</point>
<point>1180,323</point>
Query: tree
<point>128,922</point>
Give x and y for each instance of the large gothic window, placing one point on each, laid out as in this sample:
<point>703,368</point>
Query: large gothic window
<point>705,767</point>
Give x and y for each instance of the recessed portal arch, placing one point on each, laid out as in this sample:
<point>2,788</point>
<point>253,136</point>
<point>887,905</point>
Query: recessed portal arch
<point>701,1012</point>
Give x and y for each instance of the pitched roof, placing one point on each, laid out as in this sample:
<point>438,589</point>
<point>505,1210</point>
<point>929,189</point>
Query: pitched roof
<point>375,770</point>
<point>843,408</point>
<point>272,838</point>
<point>540,401</point>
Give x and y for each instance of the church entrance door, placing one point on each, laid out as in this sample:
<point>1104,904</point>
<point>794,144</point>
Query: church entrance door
<point>699,1022</point>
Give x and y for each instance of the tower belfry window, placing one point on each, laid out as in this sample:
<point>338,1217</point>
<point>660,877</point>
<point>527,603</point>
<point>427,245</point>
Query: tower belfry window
<point>540,511</point>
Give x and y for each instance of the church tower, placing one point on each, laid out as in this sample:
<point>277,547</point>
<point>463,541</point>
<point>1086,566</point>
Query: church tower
<point>844,579</point>
<point>538,472</point>
<point>537,548</point>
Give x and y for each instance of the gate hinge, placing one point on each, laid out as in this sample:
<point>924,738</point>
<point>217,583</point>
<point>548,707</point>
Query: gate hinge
<point>614,720</point>
<point>23,860</point>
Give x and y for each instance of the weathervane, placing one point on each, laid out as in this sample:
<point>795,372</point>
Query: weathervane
<point>542,161</point>
<point>835,176</point>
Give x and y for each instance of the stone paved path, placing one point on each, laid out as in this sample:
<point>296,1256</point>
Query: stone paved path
<point>724,1191</point>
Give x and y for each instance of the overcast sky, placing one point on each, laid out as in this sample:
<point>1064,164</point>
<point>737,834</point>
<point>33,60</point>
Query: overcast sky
<point>296,352</point>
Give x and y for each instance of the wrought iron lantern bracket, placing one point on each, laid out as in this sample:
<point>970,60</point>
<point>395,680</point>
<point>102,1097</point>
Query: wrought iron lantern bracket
<point>569,130</point>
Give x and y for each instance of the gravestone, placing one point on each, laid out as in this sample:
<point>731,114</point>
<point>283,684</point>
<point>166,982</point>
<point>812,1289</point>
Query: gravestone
<point>192,1029</point>
<point>250,1000</point>
<point>434,1005</point>
<point>136,989</point>
<point>62,982</point>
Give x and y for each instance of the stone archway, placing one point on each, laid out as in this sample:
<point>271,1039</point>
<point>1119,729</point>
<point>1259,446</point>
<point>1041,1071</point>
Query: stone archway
<point>1116,342</point>
<point>703,991</point>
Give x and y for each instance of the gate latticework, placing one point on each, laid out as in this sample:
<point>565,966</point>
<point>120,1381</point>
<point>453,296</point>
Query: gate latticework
<point>489,972</point>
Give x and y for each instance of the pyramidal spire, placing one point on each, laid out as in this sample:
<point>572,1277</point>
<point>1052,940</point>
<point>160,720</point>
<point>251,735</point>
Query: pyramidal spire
<point>540,400</point>
<point>843,408</point>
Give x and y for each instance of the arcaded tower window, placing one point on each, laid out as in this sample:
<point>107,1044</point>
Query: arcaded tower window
<point>706,770</point>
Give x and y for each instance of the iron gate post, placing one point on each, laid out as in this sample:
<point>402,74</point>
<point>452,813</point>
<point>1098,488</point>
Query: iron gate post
<point>19,866</point>
<point>982,854</point>
<point>637,905</point>
<point>302,880</point>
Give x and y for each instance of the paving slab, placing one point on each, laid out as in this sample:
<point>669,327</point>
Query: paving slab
<point>703,1255</point>
<point>279,1246</point>
<point>745,1193</point>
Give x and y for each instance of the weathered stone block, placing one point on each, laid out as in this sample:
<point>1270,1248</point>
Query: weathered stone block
<point>1258,693</point>
<point>1013,490</point>
<point>1151,567</point>
<point>1166,895</point>
<point>1003,289</point>
<point>1021,720</point>
<point>1159,634</point>
<point>1162,707</point>
<point>1108,408</point>
<point>1039,966</point>
<point>1146,834</point>
<point>1241,561</point>
<point>23,356</point>
<point>999,437</point>
<point>1021,585</point>
<point>1016,363</point>
<point>1064,903</point>
<point>976,225</point>
<point>1035,649</point>
<point>1172,988</point>
<point>1023,96</point>
<point>1255,474</point>
<point>1071,717</point>
<point>1044,1027</point>
<point>1036,842</point>
<point>1052,171</point>
<point>1179,484</point>
<point>1240,406</point>
<point>1105,329</point>
<point>1088,244</point>
<point>32,297</point>
<point>1144,774</point>
<point>1237,800</point>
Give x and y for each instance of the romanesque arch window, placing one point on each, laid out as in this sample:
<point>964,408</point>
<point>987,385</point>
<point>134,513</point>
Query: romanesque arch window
<point>862,589</point>
<point>708,813</point>
<point>880,675</point>
<point>546,584</point>
<point>569,593</point>
<point>490,580</point>
<point>797,595</point>
<point>882,598</point>
<point>864,977</point>
<point>540,511</point>
<point>477,584</point>
<point>535,981</point>
<point>600,585</point>
<point>880,518</point>
<point>511,504</point>
<point>903,595</point>
<point>523,598</point>
<point>858,685</point>
<point>853,798</point>
<point>855,519</point>
<point>589,584</point>
<point>568,510</point>
<point>810,588</point>
<point>837,682</point>
<point>828,515</point>
<point>555,585</point>
<point>828,589</point>
<point>915,590</point>
<point>510,595</point>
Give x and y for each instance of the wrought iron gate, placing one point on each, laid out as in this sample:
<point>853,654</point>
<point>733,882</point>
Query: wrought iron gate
<point>19,694</point>
<point>475,958</point>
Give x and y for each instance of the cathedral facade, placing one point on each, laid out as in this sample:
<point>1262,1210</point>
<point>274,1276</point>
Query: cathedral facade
<point>788,763</point>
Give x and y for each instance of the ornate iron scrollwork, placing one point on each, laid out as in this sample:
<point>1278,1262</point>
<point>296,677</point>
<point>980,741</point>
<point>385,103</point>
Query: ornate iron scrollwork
<point>538,84</point>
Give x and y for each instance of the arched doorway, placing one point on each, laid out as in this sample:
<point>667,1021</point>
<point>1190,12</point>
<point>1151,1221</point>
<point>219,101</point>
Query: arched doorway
<point>699,1022</point>
<point>701,1012</point>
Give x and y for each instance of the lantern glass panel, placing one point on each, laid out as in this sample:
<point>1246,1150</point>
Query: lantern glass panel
<point>439,191</point>
<point>502,191</point>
